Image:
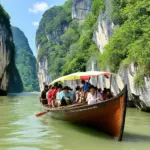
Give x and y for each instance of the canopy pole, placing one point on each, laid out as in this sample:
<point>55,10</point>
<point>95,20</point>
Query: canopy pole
<point>97,82</point>
<point>110,81</point>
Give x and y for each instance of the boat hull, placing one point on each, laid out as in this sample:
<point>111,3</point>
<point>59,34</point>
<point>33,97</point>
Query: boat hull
<point>107,116</point>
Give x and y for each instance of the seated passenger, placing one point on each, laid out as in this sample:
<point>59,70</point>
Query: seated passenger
<point>104,94</point>
<point>49,94</point>
<point>109,94</point>
<point>93,96</point>
<point>43,98</point>
<point>77,94</point>
<point>64,97</point>
<point>73,95</point>
<point>83,96</point>
<point>70,89</point>
<point>57,95</point>
<point>99,90</point>
<point>59,88</point>
<point>52,95</point>
<point>85,87</point>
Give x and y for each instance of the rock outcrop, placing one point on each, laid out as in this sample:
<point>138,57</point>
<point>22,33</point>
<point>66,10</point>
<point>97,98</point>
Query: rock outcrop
<point>9,76</point>
<point>43,75</point>
<point>80,9</point>
<point>4,60</point>
<point>104,27</point>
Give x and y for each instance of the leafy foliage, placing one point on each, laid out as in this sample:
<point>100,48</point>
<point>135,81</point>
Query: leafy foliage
<point>131,42</point>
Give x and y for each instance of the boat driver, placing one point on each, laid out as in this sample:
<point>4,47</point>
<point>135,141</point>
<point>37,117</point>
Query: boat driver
<point>43,98</point>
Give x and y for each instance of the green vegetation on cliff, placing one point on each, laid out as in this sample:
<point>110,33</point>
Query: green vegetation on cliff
<point>67,43</point>
<point>53,24</point>
<point>25,61</point>
<point>5,19</point>
<point>15,83</point>
<point>131,41</point>
<point>80,50</point>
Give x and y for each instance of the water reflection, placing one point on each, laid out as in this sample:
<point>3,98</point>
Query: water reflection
<point>21,130</point>
<point>131,137</point>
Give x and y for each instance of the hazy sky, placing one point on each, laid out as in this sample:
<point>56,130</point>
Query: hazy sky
<point>26,14</point>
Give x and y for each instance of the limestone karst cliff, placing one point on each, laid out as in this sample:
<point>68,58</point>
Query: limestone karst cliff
<point>53,24</point>
<point>9,76</point>
<point>60,38</point>
<point>109,34</point>
<point>106,25</point>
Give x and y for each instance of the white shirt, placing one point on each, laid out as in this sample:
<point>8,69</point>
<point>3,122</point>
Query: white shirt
<point>57,97</point>
<point>92,98</point>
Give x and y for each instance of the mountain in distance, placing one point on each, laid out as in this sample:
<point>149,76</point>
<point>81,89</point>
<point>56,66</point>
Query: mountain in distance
<point>25,61</point>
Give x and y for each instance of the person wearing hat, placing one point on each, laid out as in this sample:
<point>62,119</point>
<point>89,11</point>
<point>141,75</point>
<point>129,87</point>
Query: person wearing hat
<point>64,97</point>
<point>93,96</point>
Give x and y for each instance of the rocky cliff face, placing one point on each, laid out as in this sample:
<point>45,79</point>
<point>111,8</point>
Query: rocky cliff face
<point>46,38</point>
<point>80,9</point>
<point>9,77</point>
<point>4,60</point>
<point>139,97</point>
<point>43,75</point>
<point>104,27</point>
<point>56,36</point>
<point>54,23</point>
<point>25,61</point>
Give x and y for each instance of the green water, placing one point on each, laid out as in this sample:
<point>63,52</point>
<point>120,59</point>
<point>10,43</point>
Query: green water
<point>21,130</point>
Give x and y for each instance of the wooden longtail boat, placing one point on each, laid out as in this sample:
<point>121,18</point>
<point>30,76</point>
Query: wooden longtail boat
<point>107,116</point>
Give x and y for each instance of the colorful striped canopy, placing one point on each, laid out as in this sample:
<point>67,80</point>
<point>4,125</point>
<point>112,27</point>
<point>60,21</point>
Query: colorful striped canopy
<point>81,76</point>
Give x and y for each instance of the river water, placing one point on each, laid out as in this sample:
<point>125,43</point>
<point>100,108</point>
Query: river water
<point>21,130</point>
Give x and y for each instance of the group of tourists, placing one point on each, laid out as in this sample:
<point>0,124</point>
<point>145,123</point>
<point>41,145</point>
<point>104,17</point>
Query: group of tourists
<point>57,95</point>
